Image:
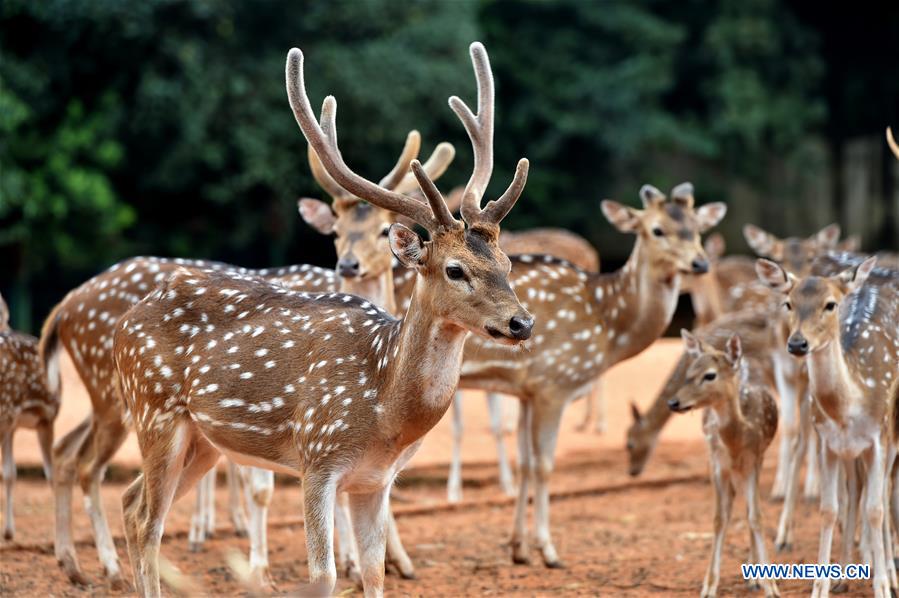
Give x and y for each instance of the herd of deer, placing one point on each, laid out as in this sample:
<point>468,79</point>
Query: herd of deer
<point>336,376</point>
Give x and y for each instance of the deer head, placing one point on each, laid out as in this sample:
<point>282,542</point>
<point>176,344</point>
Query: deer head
<point>712,377</point>
<point>670,230</point>
<point>812,304</point>
<point>462,273</point>
<point>360,229</point>
<point>795,253</point>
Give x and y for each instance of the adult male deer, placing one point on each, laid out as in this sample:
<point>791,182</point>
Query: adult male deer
<point>589,322</point>
<point>25,402</point>
<point>739,421</point>
<point>845,326</point>
<point>341,392</point>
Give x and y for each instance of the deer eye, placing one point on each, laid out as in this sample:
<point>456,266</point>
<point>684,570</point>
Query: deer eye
<point>386,231</point>
<point>658,231</point>
<point>709,376</point>
<point>455,272</point>
<point>830,306</point>
<point>788,306</point>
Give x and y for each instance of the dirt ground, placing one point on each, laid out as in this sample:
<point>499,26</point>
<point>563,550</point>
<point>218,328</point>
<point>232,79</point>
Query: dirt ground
<point>616,535</point>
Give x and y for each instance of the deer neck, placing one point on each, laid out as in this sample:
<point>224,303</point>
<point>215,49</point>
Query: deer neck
<point>379,290</point>
<point>425,359</point>
<point>638,302</point>
<point>705,295</point>
<point>829,379</point>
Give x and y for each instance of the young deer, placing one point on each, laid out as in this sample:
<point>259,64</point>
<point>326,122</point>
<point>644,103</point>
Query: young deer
<point>588,322</point>
<point>739,421</point>
<point>845,327</point>
<point>340,391</point>
<point>25,402</point>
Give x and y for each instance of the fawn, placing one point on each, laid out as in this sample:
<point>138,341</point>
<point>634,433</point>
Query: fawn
<point>25,402</point>
<point>341,391</point>
<point>739,421</point>
<point>844,325</point>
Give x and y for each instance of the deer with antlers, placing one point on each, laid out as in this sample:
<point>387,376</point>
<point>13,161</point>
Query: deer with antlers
<point>588,322</point>
<point>25,402</point>
<point>340,391</point>
<point>845,327</point>
<point>739,422</point>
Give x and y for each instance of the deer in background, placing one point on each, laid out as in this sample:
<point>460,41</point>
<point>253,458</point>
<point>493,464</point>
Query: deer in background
<point>845,328</point>
<point>739,421</point>
<point>587,323</point>
<point>25,402</point>
<point>365,268</point>
<point>341,391</point>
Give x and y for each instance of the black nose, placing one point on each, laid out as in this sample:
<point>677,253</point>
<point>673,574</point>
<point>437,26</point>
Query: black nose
<point>348,267</point>
<point>521,327</point>
<point>797,345</point>
<point>673,404</point>
<point>700,266</point>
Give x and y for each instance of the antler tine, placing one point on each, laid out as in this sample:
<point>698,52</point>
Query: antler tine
<point>327,151</point>
<point>401,169</point>
<point>497,210</point>
<point>322,177</point>
<point>480,131</point>
<point>433,195</point>
<point>892,142</point>
<point>435,166</point>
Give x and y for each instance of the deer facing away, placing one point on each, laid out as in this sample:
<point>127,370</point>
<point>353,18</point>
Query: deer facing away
<point>25,402</point>
<point>739,421</point>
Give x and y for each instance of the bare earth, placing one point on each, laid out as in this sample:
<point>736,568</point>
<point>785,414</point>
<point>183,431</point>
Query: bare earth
<point>617,535</point>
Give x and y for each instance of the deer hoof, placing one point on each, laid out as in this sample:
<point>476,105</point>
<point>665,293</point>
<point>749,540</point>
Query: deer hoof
<point>119,584</point>
<point>784,547</point>
<point>73,571</point>
<point>556,564</point>
<point>196,547</point>
<point>841,587</point>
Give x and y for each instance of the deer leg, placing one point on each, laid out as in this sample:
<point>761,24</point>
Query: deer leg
<point>520,551</point>
<point>829,498</point>
<point>209,481</point>
<point>495,408</point>
<point>347,553</point>
<point>9,481</point>
<point>784,540</point>
<point>370,514</point>
<point>757,536</point>
<point>258,484</point>
<point>724,494</point>
<point>396,552</point>
<point>545,432</point>
<point>198,530</point>
<point>107,438</point>
<point>789,430</point>
<point>848,518</point>
<point>887,523</point>
<point>238,517</point>
<point>454,482</point>
<point>589,411</point>
<point>319,499</point>
<point>510,414</point>
<point>599,406</point>
<point>811,487</point>
<point>875,459</point>
<point>65,463</point>
<point>45,440</point>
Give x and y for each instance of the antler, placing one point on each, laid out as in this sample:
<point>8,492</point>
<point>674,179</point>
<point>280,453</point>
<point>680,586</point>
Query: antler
<point>892,142</point>
<point>323,139</point>
<point>435,166</point>
<point>480,130</point>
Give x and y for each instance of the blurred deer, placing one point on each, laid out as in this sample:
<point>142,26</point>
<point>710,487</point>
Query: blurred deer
<point>739,421</point>
<point>25,402</point>
<point>347,409</point>
<point>845,327</point>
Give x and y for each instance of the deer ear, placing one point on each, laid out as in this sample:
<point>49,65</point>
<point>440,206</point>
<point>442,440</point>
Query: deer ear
<point>624,218</point>
<point>734,349</point>
<point>317,214</point>
<point>651,196</point>
<point>407,246</point>
<point>710,215</point>
<point>828,236</point>
<point>762,243</point>
<point>852,244</point>
<point>714,246</point>
<point>854,279</point>
<point>635,413</point>
<point>691,343</point>
<point>774,276</point>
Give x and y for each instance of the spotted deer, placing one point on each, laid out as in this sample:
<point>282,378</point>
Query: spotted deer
<point>365,268</point>
<point>340,391</point>
<point>739,422</point>
<point>844,326</point>
<point>25,402</point>
<point>587,323</point>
